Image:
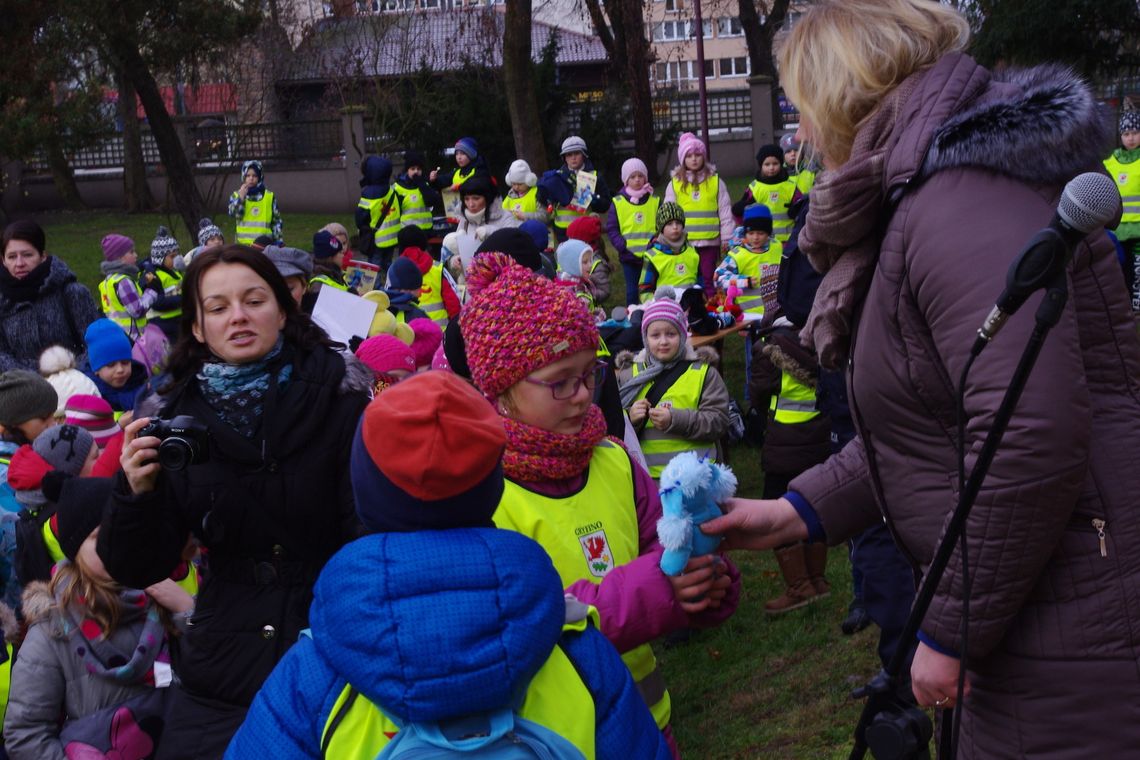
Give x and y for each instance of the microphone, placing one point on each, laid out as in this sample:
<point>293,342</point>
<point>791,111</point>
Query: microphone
<point>1089,202</point>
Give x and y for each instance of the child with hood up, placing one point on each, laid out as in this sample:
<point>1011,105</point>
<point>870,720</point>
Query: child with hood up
<point>161,276</point>
<point>574,257</point>
<point>479,624</point>
<point>632,222</point>
<point>672,394</point>
<point>670,259</point>
<point>378,211</point>
<point>123,301</point>
<point>772,188</point>
<point>255,209</point>
<point>522,198</point>
<point>699,191</point>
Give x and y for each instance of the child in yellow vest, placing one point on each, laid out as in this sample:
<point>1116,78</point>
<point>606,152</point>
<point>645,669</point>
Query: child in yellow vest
<point>160,275</point>
<point>773,188</point>
<point>755,263</point>
<point>522,198</point>
<point>1124,167</point>
<point>670,259</point>
<point>801,170</point>
<point>674,398</point>
<point>255,208</point>
<point>698,189</point>
<point>577,493</point>
<point>630,222</point>
<point>121,298</point>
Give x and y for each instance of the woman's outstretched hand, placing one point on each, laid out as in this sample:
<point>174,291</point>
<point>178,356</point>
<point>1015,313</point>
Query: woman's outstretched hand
<point>757,524</point>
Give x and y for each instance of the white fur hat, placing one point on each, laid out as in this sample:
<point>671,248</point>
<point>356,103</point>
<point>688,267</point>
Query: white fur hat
<point>57,365</point>
<point>520,174</point>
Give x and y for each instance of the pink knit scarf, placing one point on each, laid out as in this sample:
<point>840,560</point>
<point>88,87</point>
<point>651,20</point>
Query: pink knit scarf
<point>536,455</point>
<point>638,194</point>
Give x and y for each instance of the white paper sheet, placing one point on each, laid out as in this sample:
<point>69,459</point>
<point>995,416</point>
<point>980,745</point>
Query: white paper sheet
<point>343,315</point>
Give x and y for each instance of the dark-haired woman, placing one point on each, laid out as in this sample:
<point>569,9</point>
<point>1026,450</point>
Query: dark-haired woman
<point>41,302</point>
<point>269,499</point>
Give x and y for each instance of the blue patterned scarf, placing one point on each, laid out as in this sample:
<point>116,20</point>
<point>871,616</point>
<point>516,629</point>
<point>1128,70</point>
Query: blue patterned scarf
<point>237,391</point>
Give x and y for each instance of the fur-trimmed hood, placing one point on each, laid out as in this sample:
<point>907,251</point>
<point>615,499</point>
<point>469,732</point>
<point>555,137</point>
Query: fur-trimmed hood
<point>37,603</point>
<point>1040,125</point>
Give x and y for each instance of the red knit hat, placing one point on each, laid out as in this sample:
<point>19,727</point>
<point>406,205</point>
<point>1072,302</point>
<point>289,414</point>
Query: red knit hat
<point>384,353</point>
<point>27,469</point>
<point>427,457</point>
<point>588,229</point>
<point>517,321</point>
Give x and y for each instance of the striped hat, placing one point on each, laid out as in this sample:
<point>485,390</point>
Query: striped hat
<point>93,414</point>
<point>162,246</point>
<point>664,310</point>
<point>206,230</point>
<point>503,346</point>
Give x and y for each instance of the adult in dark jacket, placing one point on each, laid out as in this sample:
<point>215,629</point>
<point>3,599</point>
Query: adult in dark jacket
<point>1053,640</point>
<point>41,302</point>
<point>270,503</point>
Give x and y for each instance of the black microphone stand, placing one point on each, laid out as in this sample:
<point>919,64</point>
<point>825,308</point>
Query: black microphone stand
<point>890,726</point>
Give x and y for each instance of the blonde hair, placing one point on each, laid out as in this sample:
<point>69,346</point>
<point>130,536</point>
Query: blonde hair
<point>841,57</point>
<point>73,581</point>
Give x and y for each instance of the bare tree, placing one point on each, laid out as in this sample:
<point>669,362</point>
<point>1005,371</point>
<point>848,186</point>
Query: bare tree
<point>758,34</point>
<point>518,77</point>
<point>135,187</point>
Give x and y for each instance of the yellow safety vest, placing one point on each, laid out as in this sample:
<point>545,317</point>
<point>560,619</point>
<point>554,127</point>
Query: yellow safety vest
<point>777,198</point>
<point>431,295</point>
<point>387,228</point>
<point>413,209</point>
<point>556,699</point>
<point>588,534</point>
<point>702,207</point>
<point>256,219</point>
<point>113,308</point>
<point>459,176</point>
<point>171,286</point>
<point>5,681</point>
<point>659,446</point>
<point>527,204</point>
<point>563,216</point>
<point>795,404</point>
<point>805,181</point>
<point>676,269</point>
<point>324,279</point>
<point>637,223</point>
<point>755,265</point>
<point>1127,177</point>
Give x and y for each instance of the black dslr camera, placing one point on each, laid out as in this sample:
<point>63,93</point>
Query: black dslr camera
<point>185,441</point>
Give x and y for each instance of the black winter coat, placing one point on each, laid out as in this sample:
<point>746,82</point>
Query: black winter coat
<point>269,512</point>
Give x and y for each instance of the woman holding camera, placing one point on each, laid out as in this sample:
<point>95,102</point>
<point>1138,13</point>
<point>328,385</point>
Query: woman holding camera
<point>259,475</point>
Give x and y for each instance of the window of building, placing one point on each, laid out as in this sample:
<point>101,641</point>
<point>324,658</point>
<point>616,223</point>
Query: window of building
<point>734,67</point>
<point>674,6</point>
<point>671,31</point>
<point>681,71</point>
<point>729,26</point>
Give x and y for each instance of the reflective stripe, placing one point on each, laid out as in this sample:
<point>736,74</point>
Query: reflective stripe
<point>564,216</point>
<point>652,687</point>
<point>795,404</point>
<point>702,212</point>
<point>256,219</point>
<point>788,405</point>
<point>750,301</point>
<point>657,461</point>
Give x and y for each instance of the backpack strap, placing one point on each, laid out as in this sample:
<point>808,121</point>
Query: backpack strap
<point>665,381</point>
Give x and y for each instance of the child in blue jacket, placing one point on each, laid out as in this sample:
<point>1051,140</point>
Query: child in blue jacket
<point>438,615</point>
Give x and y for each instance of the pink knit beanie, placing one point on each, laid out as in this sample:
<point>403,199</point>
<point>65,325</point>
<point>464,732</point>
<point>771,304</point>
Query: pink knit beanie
<point>664,310</point>
<point>631,167</point>
<point>689,143</point>
<point>384,353</point>
<point>93,414</point>
<point>429,336</point>
<point>116,246</point>
<point>517,322</point>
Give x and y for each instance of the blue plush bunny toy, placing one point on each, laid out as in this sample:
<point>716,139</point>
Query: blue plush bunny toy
<point>692,488</point>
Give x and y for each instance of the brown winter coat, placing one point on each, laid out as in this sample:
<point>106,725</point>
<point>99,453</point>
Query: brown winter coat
<point>1054,642</point>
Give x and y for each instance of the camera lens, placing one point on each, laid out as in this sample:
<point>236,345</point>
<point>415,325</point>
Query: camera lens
<point>175,454</point>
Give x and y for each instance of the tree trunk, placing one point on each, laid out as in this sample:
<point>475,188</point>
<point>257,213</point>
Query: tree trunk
<point>638,59</point>
<point>62,176</point>
<point>179,173</point>
<point>135,187</point>
<point>758,36</point>
<point>518,77</point>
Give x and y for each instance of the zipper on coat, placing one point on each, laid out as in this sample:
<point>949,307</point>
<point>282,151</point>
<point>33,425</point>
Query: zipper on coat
<point>1098,524</point>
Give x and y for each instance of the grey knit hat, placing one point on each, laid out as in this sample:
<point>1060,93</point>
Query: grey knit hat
<point>206,230</point>
<point>64,447</point>
<point>574,143</point>
<point>1129,120</point>
<point>24,396</point>
<point>162,246</point>
<point>290,262</point>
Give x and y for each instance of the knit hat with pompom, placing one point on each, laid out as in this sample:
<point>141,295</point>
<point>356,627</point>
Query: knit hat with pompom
<point>162,246</point>
<point>503,346</point>
<point>206,230</point>
<point>57,365</point>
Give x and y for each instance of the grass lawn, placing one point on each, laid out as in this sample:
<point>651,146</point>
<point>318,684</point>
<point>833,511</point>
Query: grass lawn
<point>755,688</point>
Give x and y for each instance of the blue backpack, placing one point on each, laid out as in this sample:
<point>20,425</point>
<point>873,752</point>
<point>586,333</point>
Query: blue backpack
<point>503,735</point>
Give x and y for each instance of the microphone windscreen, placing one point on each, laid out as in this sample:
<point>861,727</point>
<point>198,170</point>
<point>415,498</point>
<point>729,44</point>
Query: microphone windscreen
<point>1090,201</point>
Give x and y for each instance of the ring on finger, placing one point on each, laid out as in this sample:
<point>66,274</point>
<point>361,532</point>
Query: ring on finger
<point>941,702</point>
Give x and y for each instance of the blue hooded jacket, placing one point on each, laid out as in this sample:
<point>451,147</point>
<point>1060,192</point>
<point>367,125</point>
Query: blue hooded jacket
<point>375,182</point>
<point>435,625</point>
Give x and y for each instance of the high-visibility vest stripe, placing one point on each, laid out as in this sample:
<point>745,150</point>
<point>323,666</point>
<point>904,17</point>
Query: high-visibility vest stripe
<point>795,403</point>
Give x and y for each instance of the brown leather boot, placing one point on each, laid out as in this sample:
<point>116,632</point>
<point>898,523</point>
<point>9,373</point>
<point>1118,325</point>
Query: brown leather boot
<point>799,590</point>
<point>816,561</point>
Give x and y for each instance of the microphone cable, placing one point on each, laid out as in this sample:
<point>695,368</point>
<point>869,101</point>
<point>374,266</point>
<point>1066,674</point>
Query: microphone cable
<point>960,418</point>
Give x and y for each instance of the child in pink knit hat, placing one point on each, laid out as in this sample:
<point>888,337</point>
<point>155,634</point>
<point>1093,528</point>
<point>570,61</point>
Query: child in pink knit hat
<point>570,488</point>
<point>389,358</point>
<point>429,337</point>
<point>698,189</point>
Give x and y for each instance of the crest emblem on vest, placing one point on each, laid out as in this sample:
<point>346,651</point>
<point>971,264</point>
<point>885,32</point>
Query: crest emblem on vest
<point>255,211</point>
<point>1122,179</point>
<point>680,268</point>
<point>696,195</point>
<point>639,218</point>
<point>599,558</point>
<point>773,197</point>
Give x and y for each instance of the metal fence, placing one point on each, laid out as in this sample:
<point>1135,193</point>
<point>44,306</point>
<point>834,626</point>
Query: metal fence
<point>727,110</point>
<point>218,143</point>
